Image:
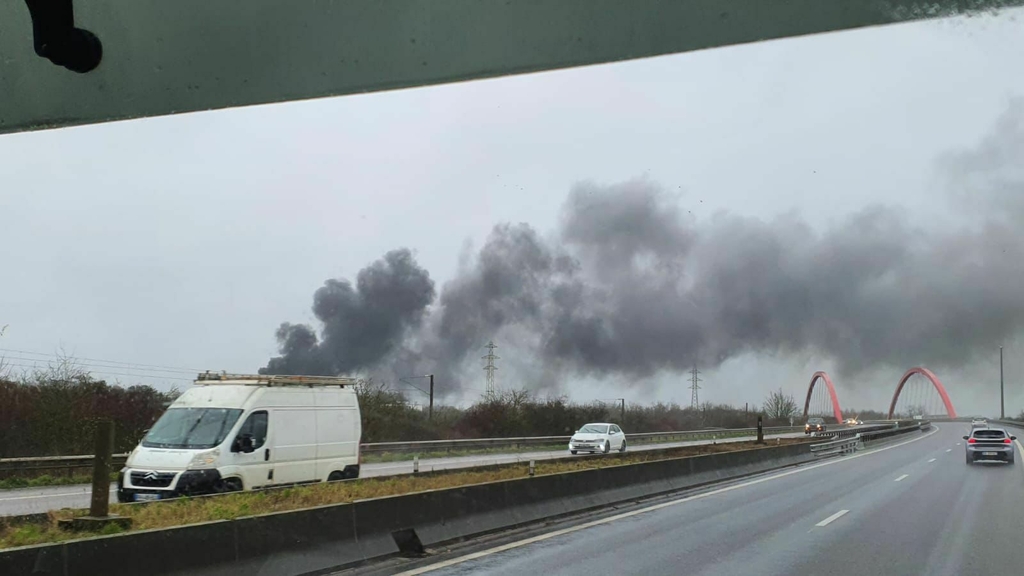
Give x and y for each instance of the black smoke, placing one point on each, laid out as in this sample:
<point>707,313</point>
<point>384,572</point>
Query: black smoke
<point>361,324</point>
<point>630,285</point>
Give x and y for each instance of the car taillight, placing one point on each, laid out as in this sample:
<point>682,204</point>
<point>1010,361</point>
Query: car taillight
<point>1007,441</point>
<point>971,441</point>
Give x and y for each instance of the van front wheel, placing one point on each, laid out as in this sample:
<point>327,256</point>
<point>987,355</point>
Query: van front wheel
<point>335,476</point>
<point>228,485</point>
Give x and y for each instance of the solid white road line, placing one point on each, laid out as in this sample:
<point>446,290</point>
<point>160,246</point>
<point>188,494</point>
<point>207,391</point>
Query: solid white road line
<point>630,514</point>
<point>932,460</point>
<point>832,518</point>
<point>901,478</point>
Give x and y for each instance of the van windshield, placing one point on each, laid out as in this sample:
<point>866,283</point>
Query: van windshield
<point>191,428</point>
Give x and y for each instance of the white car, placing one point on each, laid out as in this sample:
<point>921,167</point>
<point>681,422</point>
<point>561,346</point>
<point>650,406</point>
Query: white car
<point>598,437</point>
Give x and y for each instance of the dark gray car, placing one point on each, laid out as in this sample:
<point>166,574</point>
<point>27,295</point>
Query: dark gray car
<point>989,444</point>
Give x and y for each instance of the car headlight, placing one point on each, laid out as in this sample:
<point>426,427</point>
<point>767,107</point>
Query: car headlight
<point>205,459</point>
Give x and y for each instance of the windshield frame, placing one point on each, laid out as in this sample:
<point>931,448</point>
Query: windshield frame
<point>175,417</point>
<point>594,429</point>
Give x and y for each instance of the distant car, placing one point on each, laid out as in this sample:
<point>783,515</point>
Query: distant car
<point>815,425</point>
<point>598,437</point>
<point>853,422</point>
<point>979,423</point>
<point>989,444</point>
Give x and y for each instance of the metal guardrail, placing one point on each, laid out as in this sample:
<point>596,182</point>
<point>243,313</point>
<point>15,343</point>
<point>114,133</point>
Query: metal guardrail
<point>528,441</point>
<point>849,441</point>
<point>837,446</point>
<point>68,464</point>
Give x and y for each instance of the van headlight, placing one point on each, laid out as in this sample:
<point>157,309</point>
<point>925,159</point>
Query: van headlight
<point>205,459</point>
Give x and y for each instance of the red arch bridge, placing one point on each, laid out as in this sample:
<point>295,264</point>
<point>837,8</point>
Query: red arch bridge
<point>822,378</point>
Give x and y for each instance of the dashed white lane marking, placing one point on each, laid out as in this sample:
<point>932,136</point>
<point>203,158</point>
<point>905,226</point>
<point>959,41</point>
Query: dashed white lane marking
<point>832,518</point>
<point>950,450</point>
<point>901,478</point>
<point>630,514</point>
<point>932,460</point>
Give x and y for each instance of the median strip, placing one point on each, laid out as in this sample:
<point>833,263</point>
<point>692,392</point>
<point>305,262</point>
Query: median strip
<point>185,511</point>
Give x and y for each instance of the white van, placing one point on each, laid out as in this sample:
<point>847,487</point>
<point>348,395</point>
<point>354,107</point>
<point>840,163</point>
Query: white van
<point>240,432</point>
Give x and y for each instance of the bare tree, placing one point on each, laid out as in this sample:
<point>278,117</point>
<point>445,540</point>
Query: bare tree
<point>914,410</point>
<point>779,406</point>
<point>515,398</point>
<point>64,369</point>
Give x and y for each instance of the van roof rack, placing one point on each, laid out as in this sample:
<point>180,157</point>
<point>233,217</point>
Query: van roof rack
<point>209,377</point>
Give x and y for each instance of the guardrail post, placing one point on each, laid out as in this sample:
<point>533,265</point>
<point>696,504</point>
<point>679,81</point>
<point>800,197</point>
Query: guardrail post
<point>760,430</point>
<point>416,464</point>
<point>99,506</point>
<point>532,467</point>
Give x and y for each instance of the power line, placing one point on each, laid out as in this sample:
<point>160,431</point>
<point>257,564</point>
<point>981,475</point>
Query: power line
<point>105,373</point>
<point>118,362</point>
<point>99,365</point>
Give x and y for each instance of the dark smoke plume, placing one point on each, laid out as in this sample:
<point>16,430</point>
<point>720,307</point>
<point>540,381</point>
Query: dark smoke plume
<point>630,286</point>
<point>361,324</point>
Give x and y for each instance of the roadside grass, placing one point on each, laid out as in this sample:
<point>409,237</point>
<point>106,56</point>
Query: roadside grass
<point>381,457</point>
<point>184,511</point>
<point>48,480</point>
<point>194,510</point>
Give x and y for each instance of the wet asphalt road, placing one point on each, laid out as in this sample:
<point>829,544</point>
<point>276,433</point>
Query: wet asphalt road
<point>908,509</point>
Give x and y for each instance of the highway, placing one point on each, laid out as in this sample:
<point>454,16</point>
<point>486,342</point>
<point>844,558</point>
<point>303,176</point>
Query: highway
<point>35,500</point>
<point>909,507</point>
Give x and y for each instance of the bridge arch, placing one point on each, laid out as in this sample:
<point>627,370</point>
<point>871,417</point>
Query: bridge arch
<point>823,376</point>
<point>935,382</point>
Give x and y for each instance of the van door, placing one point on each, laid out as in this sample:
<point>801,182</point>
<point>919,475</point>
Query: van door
<point>250,451</point>
<point>292,451</point>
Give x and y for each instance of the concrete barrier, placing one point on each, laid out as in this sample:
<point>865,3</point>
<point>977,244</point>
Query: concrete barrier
<point>330,537</point>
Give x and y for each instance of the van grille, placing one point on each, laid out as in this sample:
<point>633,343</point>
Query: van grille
<point>152,479</point>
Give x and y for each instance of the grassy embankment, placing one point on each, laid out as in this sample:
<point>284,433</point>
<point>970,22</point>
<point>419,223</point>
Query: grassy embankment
<point>195,510</point>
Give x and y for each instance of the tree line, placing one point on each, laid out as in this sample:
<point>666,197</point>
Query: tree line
<point>53,412</point>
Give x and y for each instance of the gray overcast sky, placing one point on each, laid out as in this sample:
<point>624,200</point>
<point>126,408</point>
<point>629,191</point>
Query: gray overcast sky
<point>184,241</point>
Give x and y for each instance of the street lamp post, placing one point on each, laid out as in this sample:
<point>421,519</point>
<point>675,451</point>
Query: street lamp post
<point>1002,404</point>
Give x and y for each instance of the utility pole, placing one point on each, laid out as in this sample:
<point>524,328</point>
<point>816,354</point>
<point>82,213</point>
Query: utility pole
<point>694,387</point>
<point>1002,405</point>
<point>622,410</point>
<point>430,392</point>
<point>490,368</point>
